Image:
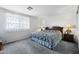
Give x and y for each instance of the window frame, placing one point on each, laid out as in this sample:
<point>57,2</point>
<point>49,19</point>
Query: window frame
<point>11,21</point>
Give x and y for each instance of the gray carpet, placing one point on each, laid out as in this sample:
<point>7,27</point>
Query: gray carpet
<point>67,48</point>
<point>29,47</point>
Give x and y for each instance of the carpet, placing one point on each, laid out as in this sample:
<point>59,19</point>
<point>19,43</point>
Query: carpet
<point>27,46</point>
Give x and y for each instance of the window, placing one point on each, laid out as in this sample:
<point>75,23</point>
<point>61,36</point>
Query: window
<point>17,22</point>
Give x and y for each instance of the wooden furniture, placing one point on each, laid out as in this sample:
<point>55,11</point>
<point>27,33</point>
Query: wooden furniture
<point>58,28</point>
<point>68,37</point>
<point>1,45</point>
<point>55,28</point>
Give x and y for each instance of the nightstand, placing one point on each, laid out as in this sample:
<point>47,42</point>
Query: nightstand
<point>68,37</point>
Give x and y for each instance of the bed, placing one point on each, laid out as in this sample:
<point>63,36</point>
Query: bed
<point>48,38</point>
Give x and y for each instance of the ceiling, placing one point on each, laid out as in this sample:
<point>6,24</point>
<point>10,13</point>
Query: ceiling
<point>43,10</point>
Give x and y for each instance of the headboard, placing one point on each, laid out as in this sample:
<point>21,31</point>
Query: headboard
<point>58,28</point>
<point>55,28</point>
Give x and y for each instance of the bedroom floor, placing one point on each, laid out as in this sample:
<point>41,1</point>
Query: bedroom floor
<point>27,46</point>
<point>67,48</point>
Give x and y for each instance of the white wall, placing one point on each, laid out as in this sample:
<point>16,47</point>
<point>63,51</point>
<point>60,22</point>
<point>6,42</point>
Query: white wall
<point>64,16</point>
<point>60,20</point>
<point>13,36</point>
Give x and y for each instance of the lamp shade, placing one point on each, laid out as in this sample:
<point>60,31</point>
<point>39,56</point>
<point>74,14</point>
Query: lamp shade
<point>69,26</point>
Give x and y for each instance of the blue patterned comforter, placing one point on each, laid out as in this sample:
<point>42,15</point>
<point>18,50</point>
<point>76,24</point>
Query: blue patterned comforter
<point>48,38</point>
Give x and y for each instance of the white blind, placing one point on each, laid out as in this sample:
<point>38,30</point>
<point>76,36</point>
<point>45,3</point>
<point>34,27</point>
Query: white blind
<point>17,22</point>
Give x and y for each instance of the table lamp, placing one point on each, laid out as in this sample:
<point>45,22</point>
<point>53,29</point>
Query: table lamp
<point>69,28</point>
